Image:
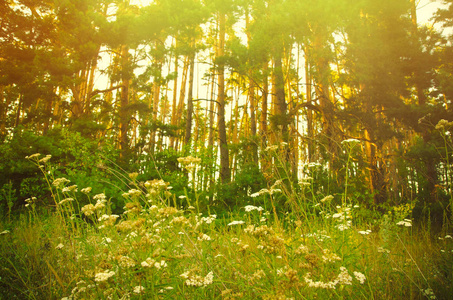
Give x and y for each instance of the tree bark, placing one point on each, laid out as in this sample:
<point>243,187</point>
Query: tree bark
<point>225,172</point>
<point>189,115</point>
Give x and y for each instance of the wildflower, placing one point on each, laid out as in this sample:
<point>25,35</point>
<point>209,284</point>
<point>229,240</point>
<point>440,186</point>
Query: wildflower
<point>4,232</point>
<point>103,276</point>
<point>249,208</point>
<point>261,192</point>
<point>429,293</point>
<point>271,148</point>
<point>139,289</point>
<point>405,222</point>
<point>36,155</point>
<point>126,261</point>
<point>108,220</point>
<point>196,280</point>
<point>329,256</point>
<point>100,197</point>
<point>133,176</point>
<point>86,190</point>
<point>59,246</point>
<point>383,250</point>
<point>106,240</point>
<point>204,237</point>
<point>236,223</point>
<point>448,236</point>
<point>318,284</point>
<point>60,182</point>
<point>133,193</point>
<point>442,124</point>
<point>161,264</point>
<point>366,232</point>
<point>360,277</point>
<point>45,159</point>
<point>182,197</point>
<point>65,200</point>
<point>148,263</point>
<point>189,160</point>
<point>326,199</point>
<point>350,141</point>
<point>209,220</point>
<point>88,209</point>
<point>344,277</point>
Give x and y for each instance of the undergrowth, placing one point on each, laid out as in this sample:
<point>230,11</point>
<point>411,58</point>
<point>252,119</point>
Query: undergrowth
<point>164,247</point>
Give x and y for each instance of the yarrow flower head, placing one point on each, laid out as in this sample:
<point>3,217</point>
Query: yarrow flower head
<point>443,124</point>
<point>86,190</point>
<point>103,276</point>
<point>405,222</point>
<point>360,277</point>
<point>72,188</point>
<point>133,193</point>
<point>350,141</point>
<point>189,162</point>
<point>59,182</point>
<point>139,289</point>
<point>88,209</point>
<point>326,198</point>
<point>33,156</point>
<point>249,208</point>
<point>45,159</point>
<point>236,223</point>
<point>197,280</point>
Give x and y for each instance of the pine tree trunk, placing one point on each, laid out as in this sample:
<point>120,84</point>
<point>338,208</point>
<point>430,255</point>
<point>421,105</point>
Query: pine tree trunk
<point>124,102</point>
<point>225,172</point>
<point>189,115</point>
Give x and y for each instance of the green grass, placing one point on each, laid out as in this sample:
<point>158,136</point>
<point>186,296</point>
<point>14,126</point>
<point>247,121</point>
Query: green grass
<point>157,251</point>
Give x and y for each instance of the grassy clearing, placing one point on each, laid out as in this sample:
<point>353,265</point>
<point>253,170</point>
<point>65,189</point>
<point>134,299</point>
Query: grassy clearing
<point>155,250</point>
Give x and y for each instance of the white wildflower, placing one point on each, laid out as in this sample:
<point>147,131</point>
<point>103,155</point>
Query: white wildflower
<point>103,276</point>
<point>350,141</point>
<point>204,237</point>
<point>60,181</point>
<point>365,232</point>
<point>360,277</point>
<point>249,208</point>
<point>405,222</point>
<point>139,289</point>
<point>65,200</point>
<point>236,223</point>
<point>72,188</point>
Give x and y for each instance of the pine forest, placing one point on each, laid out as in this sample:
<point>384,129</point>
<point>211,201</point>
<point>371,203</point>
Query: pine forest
<point>226,149</point>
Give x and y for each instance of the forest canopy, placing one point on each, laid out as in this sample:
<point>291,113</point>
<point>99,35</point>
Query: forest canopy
<point>355,93</point>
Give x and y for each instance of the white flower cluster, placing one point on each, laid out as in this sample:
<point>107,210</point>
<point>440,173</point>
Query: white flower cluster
<point>236,223</point>
<point>139,289</point>
<point>67,189</point>
<point>149,262</point>
<point>350,141</point>
<point>405,222</point>
<point>132,193</point>
<point>189,162</point>
<point>197,280</point>
<point>343,278</point>
<point>65,200</point>
<point>103,276</point>
<point>204,237</point>
<point>60,182</point>
<point>249,208</point>
<point>209,220</point>
<point>45,159</point>
<point>90,209</point>
<point>270,191</point>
